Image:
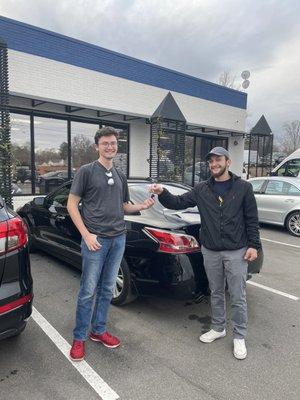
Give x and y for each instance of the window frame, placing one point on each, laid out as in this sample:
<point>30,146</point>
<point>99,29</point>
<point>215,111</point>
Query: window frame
<point>69,119</point>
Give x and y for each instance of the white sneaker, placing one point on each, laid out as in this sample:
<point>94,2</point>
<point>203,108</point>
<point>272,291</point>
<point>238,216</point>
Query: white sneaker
<point>211,335</point>
<point>239,349</point>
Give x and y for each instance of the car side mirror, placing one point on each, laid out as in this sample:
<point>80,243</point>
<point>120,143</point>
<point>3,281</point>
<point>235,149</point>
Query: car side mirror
<point>39,201</point>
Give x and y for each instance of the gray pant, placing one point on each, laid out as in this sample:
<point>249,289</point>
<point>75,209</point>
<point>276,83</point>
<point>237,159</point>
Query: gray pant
<point>230,266</point>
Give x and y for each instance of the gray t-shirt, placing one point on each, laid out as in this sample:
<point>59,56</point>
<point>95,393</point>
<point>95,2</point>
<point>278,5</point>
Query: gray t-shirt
<point>102,205</point>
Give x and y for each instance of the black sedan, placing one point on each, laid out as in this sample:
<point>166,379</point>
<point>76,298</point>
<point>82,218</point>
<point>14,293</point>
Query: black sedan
<point>15,276</point>
<point>162,252</point>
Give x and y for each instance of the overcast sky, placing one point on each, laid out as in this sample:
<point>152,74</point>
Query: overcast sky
<point>202,38</point>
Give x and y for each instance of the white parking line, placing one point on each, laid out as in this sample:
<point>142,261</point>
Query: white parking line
<point>93,379</point>
<point>289,296</point>
<point>285,244</point>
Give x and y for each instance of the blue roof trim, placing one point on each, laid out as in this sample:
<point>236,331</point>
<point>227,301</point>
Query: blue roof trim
<point>33,40</point>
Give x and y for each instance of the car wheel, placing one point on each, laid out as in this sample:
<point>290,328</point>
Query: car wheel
<point>31,240</point>
<point>123,292</point>
<point>293,223</point>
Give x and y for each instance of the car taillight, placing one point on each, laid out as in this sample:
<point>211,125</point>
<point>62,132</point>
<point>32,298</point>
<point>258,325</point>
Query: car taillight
<point>15,304</point>
<point>170,242</point>
<point>13,234</point>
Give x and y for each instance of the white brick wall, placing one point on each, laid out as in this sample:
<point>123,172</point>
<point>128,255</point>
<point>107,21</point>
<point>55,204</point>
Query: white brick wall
<point>39,77</point>
<point>236,151</point>
<point>139,149</point>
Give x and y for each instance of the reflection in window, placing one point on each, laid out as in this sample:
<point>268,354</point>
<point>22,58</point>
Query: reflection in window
<point>120,160</point>
<point>166,156</point>
<point>203,146</point>
<point>189,160</point>
<point>51,153</point>
<point>138,193</point>
<point>21,161</point>
<point>82,144</point>
<point>84,152</point>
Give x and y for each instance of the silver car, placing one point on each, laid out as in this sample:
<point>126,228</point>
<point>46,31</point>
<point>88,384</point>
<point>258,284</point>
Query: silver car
<point>278,201</point>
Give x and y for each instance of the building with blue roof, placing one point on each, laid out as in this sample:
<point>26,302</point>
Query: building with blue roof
<point>62,89</point>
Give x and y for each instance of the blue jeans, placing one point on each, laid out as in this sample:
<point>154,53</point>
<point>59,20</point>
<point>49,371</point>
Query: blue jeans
<point>98,279</point>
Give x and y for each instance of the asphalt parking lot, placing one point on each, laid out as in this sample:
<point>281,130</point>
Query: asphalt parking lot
<point>161,356</point>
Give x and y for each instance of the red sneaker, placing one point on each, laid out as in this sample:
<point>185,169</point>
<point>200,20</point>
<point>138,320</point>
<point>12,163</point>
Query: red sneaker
<point>106,338</point>
<point>77,352</point>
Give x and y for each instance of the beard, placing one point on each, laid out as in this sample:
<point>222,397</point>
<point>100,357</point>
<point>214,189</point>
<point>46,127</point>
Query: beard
<point>219,173</point>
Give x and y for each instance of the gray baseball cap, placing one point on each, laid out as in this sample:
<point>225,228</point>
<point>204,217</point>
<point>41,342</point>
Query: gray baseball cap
<point>218,151</point>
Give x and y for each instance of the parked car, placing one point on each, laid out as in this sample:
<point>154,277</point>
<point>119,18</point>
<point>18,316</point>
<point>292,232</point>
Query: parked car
<point>278,201</point>
<point>289,166</point>
<point>15,276</point>
<point>162,251</point>
<point>63,174</point>
<point>53,179</point>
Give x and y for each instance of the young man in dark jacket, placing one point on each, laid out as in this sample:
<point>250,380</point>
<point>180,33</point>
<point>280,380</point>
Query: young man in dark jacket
<point>229,238</point>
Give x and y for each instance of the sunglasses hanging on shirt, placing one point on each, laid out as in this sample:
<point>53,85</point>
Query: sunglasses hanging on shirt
<point>110,181</point>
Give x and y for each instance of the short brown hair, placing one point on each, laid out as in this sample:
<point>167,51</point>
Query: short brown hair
<point>106,131</point>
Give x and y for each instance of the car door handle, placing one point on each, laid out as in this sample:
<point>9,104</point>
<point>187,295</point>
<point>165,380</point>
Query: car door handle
<point>289,201</point>
<point>60,217</point>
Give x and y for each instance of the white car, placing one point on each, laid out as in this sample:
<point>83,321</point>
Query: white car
<point>278,201</point>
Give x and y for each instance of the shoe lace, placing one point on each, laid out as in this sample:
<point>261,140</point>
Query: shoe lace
<point>77,345</point>
<point>109,336</point>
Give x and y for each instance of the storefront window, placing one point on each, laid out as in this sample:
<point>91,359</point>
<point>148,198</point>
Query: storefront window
<point>189,160</point>
<point>166,156</point>
<point>199,165</point>
<point>121,159</point>
<point>21,164</point>
<point>82,144</point>
<point>51,153</point>
<point>203,146</point>
<point>84,152</point>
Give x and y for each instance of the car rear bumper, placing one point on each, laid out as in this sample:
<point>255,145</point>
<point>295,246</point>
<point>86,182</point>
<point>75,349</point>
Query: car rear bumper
<point>13,322</point>
<point>184,290</point>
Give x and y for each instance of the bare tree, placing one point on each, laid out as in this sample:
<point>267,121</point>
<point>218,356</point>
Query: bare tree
<point>228,80</point>
<point>291,136</point>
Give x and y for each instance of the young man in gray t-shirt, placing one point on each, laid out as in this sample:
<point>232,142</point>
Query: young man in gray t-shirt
<point>104,194</point>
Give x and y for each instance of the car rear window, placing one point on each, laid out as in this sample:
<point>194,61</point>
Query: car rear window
<point>139,193</point>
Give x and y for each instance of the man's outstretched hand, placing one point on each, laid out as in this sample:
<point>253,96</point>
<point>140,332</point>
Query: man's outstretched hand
<point>156,188</point>
<point>147,204</point>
